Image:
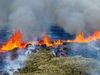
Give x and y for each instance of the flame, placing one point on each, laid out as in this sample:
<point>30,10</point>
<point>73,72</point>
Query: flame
<point>16,40</point>
<point>81,37</point>
<point>58,42</point>
<point>46,40</point>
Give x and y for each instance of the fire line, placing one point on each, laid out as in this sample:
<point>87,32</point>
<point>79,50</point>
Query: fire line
<point>16,40</point>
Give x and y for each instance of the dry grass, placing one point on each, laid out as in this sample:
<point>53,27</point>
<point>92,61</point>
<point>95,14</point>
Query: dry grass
<point>43,63</point>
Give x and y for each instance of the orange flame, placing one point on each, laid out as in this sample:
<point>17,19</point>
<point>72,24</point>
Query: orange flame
<point>14,42</point>
<point>17,41</point>
<point>46,40</point>
<point>81,37</point>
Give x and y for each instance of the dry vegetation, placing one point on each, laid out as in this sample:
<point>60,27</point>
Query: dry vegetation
<point>43,63</point>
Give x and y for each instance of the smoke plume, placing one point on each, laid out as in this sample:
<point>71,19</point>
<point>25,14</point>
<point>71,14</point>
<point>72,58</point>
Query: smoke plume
<point>34,17</point>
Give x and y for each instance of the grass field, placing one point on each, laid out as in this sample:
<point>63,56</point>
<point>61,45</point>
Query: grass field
<point>44,63</point>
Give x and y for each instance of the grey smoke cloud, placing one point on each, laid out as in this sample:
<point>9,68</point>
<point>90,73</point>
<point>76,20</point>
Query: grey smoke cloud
<point>78,15</point>
<point>31,16</point>
<point>4,11</point>
<point>34,17</point>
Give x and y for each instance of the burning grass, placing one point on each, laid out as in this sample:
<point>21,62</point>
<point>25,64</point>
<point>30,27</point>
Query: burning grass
<point>44,63</point>
<point>16,40</point>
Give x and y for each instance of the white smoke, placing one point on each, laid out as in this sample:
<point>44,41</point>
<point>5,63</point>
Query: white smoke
<point>13,66</point>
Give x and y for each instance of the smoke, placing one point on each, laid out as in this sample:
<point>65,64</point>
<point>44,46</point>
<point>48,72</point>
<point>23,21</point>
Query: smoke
<point>4,11</point>
<point>78,15</point>
<point>16,60</point>
<point>13,65</point>
<point>31,16</point>
<point>34,17</point>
